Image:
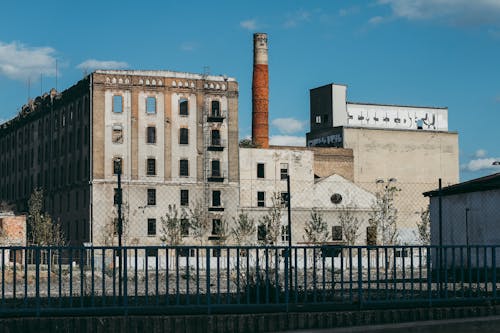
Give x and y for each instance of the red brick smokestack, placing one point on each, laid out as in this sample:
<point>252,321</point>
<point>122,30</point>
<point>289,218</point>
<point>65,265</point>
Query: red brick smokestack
<point>260,92</point>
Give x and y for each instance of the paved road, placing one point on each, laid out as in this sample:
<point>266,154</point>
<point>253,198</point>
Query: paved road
<point>467,325</point>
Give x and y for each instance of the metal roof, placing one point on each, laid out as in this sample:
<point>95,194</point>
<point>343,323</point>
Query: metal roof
<point>487,183</point>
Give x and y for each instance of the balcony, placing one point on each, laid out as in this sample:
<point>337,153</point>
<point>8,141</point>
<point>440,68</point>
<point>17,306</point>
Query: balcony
<point>216,117</point>
<point>216,145</point>
<point>216,176</point>
<point>216,209</point>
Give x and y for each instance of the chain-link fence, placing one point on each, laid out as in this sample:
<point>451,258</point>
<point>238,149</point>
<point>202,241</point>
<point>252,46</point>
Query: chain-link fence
<point>252,212</point>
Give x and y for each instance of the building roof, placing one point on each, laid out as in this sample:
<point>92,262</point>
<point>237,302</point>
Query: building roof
<point>166,73</point>
<point>400,105</point>
<point>487,183</point>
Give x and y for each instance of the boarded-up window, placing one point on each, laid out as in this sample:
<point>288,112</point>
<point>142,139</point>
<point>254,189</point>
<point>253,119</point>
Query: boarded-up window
<point>117,135</point>
<point>371,236</point>
<point>337,233</point>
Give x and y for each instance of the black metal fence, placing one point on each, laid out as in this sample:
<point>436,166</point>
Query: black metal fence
<point>229,279</point>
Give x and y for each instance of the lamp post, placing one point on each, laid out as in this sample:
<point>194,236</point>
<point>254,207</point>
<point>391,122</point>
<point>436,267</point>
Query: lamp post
<point>289,211</point>
<point>117,166</point>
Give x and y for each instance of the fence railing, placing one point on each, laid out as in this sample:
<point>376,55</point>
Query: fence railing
<point>200,279</point>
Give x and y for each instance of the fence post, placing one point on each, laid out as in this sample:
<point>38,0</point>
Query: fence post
<point>360,277</point>
<point>289,205</point>
<point>494,270</point>
<point>440,262</point>
<point>37,279</point>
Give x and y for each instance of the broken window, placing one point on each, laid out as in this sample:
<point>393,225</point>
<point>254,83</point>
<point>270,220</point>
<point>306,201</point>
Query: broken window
<point>215,109</point>
<point>183,107</point>
<point>117,135</point>
<point>151,105</point>
<point>117,104</point>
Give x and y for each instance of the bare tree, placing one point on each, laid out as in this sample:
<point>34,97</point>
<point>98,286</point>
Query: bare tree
<point>171,225</point>
<point>244,228</point>
<point>350,225</point>
<point>271,222</point>
<point>384,215</point>
<point>42,230</point>
<point>316,229</point>
<point>6,206</point>
<point>109,233</point>
<point>424,227</point>
<point>220,231</point>
<point>198,222</point>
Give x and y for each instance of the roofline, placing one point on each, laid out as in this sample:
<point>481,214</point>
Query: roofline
<point>165,73</point>
<point>329,84</point>
<point>473,185</point>
<point>398,105</point>
<point>390,129</point>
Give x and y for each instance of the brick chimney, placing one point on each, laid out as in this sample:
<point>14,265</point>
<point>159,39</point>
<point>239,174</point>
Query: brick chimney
<point>260,92</point>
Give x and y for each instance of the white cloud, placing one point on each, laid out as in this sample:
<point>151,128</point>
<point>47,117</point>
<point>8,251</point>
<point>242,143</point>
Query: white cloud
<point>288,125</point>
<point>92,64</point>
<point>481,164</point>
<point>295,18</point>
<point>376,20</point>
<point>20,62</point>
<point>249,24</point>
<point>287,140</point>
<point>188,46</point>
<point>480,153</point>
<point>456,12</point>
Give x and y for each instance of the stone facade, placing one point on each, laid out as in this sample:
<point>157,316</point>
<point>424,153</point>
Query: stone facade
<point>67,143</point>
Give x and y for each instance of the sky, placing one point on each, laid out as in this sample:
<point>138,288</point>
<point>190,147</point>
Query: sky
<point>409,52</point>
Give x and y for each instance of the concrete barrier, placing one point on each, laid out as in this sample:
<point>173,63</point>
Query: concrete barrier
<point>266,322</point>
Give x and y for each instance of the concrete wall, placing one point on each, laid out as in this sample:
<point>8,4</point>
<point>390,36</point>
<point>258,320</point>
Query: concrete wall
<point>409,156</point>
<point>421,318</point>
<point>417,159</point>
<point>397,117</point>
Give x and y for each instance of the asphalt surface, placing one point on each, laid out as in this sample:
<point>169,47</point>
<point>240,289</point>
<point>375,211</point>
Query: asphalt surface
<point>489,324</point>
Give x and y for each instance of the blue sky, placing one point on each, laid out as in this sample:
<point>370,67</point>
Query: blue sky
<point>419,52</point>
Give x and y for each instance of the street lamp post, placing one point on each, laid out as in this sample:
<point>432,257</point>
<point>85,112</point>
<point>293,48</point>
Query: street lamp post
<point>118,170</point>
